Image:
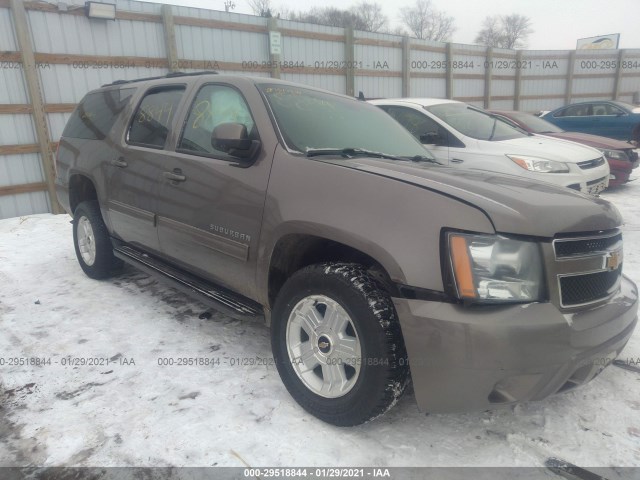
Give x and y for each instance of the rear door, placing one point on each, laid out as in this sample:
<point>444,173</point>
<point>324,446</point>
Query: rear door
<point>210,208</point>
<point>135,169</point>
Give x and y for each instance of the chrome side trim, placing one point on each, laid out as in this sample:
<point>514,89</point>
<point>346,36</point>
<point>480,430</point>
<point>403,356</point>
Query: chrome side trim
<point>208,240</point>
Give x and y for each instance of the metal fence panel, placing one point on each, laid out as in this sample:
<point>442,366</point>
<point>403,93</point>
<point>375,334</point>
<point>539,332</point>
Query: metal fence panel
<point>75,54</point>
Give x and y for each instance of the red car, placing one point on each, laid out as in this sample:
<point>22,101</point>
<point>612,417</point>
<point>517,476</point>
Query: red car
<point>621,156</point>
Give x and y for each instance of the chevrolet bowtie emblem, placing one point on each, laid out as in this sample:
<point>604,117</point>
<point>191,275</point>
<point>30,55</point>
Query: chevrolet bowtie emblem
<point>323,344</point>
<point>613,260</point>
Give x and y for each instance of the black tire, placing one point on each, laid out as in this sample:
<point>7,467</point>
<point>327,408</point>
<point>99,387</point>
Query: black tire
<point>104,263</point>
<point>384,372</point>
<point>635,136</point>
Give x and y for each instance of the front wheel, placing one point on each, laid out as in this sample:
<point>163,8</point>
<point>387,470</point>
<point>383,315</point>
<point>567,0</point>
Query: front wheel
<point>337,344</point>
<point>92,242</point>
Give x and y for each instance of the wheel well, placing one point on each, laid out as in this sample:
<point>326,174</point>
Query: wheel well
<point>294,252</point>
<point>81,189</point>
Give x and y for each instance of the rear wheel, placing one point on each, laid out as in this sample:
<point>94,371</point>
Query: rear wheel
<point>92,242</point>
<point>338,345</point>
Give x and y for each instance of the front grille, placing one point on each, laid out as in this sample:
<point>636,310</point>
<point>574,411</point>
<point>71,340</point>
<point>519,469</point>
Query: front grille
<point>581,289</point>
<point>589,246</point>
<point>589,268</point>
<point>596,162</point>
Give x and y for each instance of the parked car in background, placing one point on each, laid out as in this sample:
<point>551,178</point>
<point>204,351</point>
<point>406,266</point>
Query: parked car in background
<point>465,136</point>
<point>607,118</point>
<point>621,156</point>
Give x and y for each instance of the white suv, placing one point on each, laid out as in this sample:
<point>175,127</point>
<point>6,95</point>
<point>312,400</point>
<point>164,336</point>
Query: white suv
<point>461,135</point>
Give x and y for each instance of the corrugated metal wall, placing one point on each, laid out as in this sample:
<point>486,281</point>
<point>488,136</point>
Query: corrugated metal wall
<point>75,54</point>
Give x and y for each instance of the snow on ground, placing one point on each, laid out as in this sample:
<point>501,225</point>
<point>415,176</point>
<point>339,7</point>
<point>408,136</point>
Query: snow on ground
<point>133,411</point>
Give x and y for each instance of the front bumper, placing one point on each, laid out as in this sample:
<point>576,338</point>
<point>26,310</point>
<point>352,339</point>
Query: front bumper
<point>475,358</point>
<point>620,171</point>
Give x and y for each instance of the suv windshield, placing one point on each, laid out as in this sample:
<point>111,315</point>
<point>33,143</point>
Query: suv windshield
<point>474,123</point>
<point>311,120</point>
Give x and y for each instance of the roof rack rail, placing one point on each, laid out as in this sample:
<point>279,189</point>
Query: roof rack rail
<point>168,75</point>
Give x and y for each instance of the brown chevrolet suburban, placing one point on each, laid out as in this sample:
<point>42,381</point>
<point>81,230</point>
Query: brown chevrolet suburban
<point>372,263</point>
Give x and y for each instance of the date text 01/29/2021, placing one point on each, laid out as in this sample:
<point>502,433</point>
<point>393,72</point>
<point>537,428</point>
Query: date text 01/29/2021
<point>319,472</point>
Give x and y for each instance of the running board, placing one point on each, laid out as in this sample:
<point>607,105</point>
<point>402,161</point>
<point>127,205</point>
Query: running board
<point>570,471</point>
<point>219,298</point>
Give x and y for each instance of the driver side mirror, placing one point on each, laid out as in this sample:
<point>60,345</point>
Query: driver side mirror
<point>432,138</point>
<point>233,139</point>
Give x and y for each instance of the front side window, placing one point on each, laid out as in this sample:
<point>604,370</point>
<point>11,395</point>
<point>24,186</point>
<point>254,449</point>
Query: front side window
<point>151,122</point>
<point>310,119</point>
<point>213,106</point>
<point>417,123</point>
<point>474,123</point>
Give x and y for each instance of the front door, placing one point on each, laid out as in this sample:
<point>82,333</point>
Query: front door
<point>210,208</point>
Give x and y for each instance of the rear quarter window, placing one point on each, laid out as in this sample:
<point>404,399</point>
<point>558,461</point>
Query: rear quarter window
<point>96,114</point>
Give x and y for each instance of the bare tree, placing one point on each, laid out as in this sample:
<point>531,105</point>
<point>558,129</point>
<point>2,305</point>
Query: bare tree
<point>426,22</point>
<point>370,13</point>
<point>506,31</point>
<point>261,8</point>
<point>491,33</point>
<point>516,29</point>
<point>365,16</point>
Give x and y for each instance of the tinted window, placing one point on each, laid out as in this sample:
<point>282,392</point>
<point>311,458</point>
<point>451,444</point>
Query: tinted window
<point>97,113</point>
<point>417,123</point>
<point>214,105</point>
<point>151,122</point>
<point>311,119</point>
<point>582,110</point>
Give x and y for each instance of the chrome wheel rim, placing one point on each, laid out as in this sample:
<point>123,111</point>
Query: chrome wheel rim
<point>323,346</point>
<point>86,241</point>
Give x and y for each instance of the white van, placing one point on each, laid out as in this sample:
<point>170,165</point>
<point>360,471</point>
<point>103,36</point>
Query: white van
<point>462,135</point>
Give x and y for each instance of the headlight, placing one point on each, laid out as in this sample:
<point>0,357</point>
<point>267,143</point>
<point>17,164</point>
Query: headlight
<point>615,154</point>
<point>495,269</point>
<point>540,165</point>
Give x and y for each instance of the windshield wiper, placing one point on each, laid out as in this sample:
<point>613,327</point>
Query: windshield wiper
<point>355,152</point>
<point>350,152</point>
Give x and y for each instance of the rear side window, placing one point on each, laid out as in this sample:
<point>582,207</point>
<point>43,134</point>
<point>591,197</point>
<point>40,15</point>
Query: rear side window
<point>151,122</point>
<point>97,113</point>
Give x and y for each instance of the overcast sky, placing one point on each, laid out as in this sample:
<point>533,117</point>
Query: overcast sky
<point>557,24</point>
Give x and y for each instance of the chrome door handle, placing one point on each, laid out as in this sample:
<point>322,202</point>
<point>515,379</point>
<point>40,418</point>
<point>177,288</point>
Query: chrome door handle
<point>456,160</point>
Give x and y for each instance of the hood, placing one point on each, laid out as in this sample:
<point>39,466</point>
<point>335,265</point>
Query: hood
<point>547,147</point>
<point>592,140</point>
<point>515,205</point>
